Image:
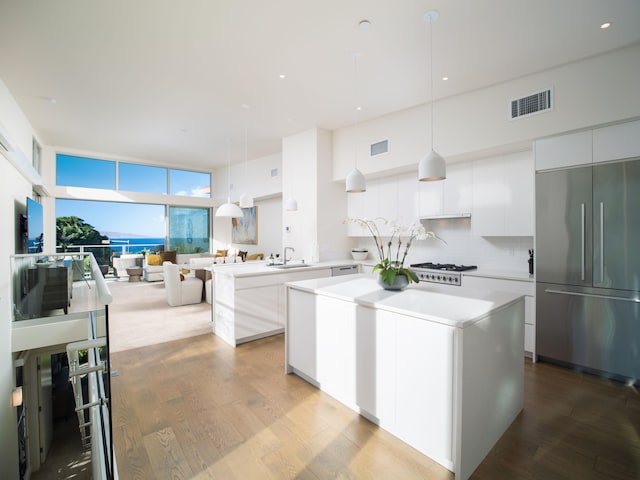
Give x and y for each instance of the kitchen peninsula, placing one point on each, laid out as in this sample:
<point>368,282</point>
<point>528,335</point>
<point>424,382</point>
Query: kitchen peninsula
<point>248,298</point>
<point>441,371</point>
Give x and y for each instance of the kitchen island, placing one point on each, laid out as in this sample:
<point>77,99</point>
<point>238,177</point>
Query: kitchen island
<point>248,298</point>
<point>441,371</point>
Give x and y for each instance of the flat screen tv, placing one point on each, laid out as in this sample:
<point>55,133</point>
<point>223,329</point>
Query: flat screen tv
<point>35,227</point>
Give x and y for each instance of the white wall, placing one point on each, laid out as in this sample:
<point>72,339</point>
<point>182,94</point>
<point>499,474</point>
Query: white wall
<point>316,230</point>
<point>599,90</point>
<point>269,229</point>
<point>14,189</point>
<point>254,177</point>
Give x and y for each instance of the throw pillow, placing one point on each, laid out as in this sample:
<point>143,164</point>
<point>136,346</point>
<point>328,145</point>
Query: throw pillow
<point>256,256</point>
<point>169,256</point>
<point>221,253</point>
<point>153,259</point>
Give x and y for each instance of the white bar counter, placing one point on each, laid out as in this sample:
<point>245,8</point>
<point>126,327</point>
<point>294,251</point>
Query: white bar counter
<point>441,371</point>
<point>248,298</point>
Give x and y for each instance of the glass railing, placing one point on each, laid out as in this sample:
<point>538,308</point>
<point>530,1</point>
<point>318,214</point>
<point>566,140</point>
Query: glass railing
<point>59,284</point>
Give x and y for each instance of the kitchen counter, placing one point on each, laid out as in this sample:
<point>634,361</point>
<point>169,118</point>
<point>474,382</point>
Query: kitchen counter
<point>250,269</point>
<point>248,298</point>
<point>518,275</point>
<point>440,370</point>
<point>437,303</point>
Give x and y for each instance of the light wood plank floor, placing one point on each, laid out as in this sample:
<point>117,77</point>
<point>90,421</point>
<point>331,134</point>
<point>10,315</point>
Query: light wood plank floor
<point>196,409</point>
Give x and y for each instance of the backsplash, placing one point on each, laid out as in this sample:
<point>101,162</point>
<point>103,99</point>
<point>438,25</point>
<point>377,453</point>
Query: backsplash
<point>463,247</point>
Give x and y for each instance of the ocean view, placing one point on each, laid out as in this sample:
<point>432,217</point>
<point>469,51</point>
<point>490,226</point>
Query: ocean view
<point>135,244</point>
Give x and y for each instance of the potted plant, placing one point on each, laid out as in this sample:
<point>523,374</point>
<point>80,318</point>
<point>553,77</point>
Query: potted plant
<point>393,275</point>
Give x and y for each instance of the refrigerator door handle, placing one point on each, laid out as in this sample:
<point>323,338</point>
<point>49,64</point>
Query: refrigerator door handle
<point>591,295</point>
<point>583,235</point>
<point>601,242</point>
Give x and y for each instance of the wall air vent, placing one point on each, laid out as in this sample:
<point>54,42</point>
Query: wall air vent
<point>379,148</point>
<point>532,104</point>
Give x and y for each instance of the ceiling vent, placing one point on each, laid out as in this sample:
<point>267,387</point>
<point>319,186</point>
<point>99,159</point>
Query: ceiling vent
<point>538,102</point>
<point>379,148</point>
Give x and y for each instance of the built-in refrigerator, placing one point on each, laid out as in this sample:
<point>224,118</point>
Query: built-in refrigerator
<point>588,268</point>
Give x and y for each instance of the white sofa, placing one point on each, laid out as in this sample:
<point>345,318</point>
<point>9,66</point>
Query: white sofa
<point>180,292</point>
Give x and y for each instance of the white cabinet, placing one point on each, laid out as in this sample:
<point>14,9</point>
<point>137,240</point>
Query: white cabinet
<point>250,307</point>
<point>450,197</point>
<point>301,335</point>
<point>420,348</point>
<point>503,196</point>
<point>376,370</point>
<point>473,283</point>
<point>393,199</point>
<point>564,151</point>
<point>616,142</point>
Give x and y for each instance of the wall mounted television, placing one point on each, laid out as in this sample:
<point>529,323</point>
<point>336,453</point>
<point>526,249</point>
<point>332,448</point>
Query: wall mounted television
<point>35,226</point>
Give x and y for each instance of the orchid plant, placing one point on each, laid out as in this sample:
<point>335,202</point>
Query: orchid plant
<point>393,252</point>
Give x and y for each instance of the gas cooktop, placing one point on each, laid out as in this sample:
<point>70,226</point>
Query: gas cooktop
<point>446,273</point>
<point>450,267</point>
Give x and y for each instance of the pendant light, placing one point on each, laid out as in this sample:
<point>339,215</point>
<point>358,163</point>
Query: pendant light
<point>432,166</point>
<point>355,180</point>
<point>246,200</point>
<point>229,209</point>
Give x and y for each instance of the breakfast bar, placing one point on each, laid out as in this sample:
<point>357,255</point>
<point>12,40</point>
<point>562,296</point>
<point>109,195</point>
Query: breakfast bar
<point>442,372</point>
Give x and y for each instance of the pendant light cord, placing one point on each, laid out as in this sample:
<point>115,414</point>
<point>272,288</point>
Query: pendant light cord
<point>228,171</point>
<point>431,75</point>
<point>355,56</point>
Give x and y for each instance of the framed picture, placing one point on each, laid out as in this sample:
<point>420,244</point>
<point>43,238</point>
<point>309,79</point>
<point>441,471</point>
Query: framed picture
<point>245,229</point>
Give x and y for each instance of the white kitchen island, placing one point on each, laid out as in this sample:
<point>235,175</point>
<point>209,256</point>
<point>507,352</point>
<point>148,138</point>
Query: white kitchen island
<point>440,371</point>
<point>248,298</point>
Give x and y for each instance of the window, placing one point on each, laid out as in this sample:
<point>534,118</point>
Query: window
<point>85,172</point>
<point>190,184</point>
<point>189,229</point>
<point>133,177</point>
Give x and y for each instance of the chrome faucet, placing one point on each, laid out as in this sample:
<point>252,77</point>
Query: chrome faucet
<point>285,254</point>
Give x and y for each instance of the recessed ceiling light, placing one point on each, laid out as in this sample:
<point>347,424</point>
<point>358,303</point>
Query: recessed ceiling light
<point>445,79</point>
<point>282,75</point>
<point>605,25</point>
<point>364,24</point>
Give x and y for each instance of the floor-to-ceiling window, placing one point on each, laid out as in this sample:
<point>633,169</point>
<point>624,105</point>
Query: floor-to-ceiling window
<point>128,227</point>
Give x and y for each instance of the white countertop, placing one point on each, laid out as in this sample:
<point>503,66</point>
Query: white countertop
<point>250,269</point>
<point>518,275</point>
<point>426,301</point>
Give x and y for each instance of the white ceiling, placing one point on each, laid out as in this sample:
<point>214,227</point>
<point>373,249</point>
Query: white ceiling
<point>164,81</point>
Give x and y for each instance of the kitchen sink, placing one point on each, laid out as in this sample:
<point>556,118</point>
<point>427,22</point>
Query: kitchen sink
<point>288,265</point>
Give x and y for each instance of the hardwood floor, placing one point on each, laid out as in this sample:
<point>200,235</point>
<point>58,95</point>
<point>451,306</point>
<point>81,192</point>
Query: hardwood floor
<point>197,408</point>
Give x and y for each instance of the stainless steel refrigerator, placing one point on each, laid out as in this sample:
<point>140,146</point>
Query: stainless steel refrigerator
<point>588,268</point>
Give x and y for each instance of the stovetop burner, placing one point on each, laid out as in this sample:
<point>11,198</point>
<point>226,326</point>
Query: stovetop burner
<point>446,273</point>
<point>450,267</point>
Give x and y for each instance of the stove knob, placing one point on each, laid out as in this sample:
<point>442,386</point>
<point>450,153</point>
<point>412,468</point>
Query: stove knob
<point>438,277</point>
<point>450,279</point>
<point>456,280</point>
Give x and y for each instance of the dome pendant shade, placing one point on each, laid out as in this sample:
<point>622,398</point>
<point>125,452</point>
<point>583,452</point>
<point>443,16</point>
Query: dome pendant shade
<point>432,167</point>
<point>291,205</point>
<point>246,200</point>
<point>229,210</point>
<point>356,182</point>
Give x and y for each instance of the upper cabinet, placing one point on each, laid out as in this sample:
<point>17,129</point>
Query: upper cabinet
<point>564,151</point>
<point>449,198</point>
<point>503,196</point>
<point>617,142</point>
<point>393,199</point>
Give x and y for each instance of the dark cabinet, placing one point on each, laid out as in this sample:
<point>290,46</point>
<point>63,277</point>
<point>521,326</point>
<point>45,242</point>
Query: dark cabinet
<point>47,289</point>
